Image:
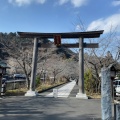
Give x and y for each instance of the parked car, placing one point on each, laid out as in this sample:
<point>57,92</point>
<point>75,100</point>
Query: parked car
<point>19,76</point>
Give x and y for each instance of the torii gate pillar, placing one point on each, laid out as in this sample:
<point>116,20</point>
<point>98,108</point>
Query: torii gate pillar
<point>81,94</point>
<point>32,91</point>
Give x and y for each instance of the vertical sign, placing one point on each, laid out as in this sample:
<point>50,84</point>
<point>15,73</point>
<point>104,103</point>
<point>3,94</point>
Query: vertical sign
<point>57,40</point>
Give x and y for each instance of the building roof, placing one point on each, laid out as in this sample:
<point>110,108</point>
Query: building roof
<point>87,34</point>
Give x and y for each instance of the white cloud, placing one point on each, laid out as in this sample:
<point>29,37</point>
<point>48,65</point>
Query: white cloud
<point>78,3</point>
<point>78,27</point>
<point>116,3</point>
<point>20,2</point>
<point>106,24</point>
<point>75,3</point>
<point>25,2</point>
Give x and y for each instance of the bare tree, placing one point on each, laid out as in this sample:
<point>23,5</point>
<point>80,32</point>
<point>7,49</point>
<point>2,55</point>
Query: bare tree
<point>95,59</point>
<point>18,49</point>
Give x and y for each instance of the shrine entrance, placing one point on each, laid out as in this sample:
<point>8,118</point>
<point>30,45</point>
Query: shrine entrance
<point>57,43</point>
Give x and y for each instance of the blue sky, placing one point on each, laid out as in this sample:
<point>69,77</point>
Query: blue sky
<point>59,15</point>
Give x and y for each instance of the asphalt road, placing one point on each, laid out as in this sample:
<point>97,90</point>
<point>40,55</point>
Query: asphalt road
<point>43,108</point>
<point>49,108</point>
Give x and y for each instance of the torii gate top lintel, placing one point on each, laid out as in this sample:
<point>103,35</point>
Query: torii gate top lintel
<point>87,34</point>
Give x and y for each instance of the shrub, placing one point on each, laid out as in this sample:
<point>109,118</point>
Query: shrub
<point>38,82</point>
<point>89,81</point>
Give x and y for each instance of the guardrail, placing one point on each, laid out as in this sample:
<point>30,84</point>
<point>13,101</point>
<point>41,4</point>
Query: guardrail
<point>15,84</point>
<point>17,80</point>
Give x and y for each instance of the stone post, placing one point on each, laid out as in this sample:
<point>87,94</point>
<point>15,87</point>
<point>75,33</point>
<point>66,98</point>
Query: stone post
<point>117,106</point>
<point>106,101</point>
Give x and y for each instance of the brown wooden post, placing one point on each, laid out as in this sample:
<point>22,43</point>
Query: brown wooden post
<point>32,91</point>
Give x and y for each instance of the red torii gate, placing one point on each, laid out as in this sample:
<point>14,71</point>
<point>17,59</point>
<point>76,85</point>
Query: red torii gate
<point>81,45</point>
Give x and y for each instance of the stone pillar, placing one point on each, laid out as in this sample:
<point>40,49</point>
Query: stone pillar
<point>0,84</point>
<point>81,93</point>
<point>117,112</point>
<point>32,91</point>
<point>106,101</point>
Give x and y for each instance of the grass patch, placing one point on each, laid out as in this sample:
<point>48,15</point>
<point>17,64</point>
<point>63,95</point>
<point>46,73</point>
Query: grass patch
<point>48,86</point>
<point>94,95</point>
<point>40,88</point>
<point>16,92</point>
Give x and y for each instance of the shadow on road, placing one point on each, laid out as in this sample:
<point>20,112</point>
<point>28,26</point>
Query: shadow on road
<point>40,108</point>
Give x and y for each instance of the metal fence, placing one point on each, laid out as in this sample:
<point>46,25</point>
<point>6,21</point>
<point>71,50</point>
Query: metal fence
<point>15,84</point>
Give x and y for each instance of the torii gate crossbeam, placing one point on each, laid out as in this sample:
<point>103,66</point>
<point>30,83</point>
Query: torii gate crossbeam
<point>81,35</point>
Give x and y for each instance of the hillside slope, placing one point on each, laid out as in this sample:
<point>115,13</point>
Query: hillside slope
<point>63,61</point>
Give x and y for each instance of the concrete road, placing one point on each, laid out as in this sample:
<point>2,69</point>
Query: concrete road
<point>45,108</point>
<point>63,91</point>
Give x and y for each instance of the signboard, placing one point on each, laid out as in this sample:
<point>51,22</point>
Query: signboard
<point>57,40</point>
